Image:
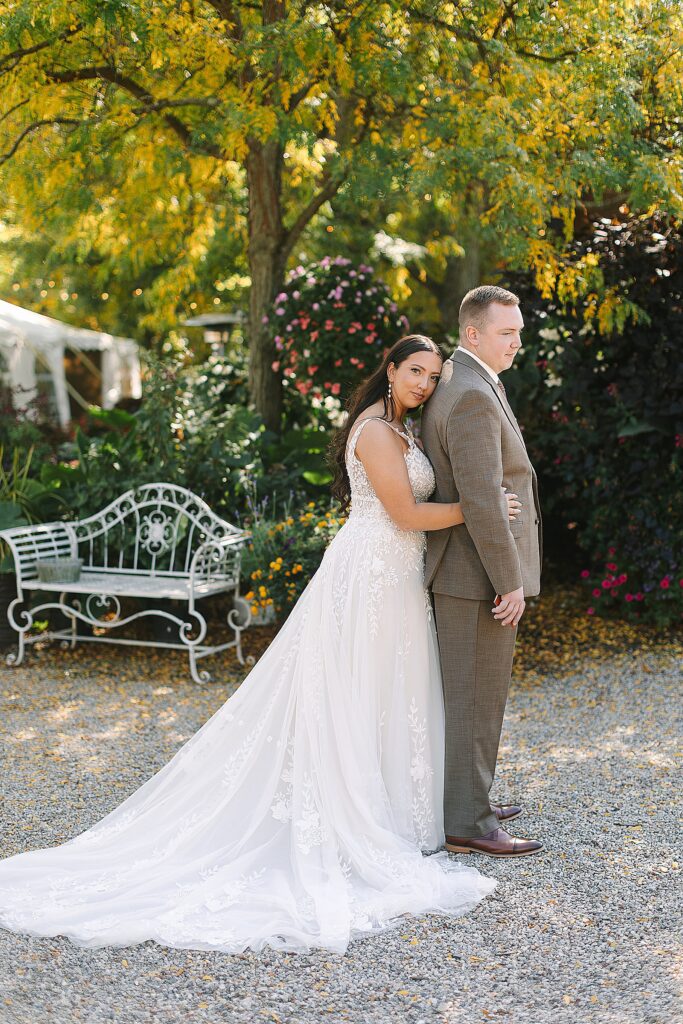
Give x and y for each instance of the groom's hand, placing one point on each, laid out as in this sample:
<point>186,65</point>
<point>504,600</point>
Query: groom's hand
<point>509,608</point>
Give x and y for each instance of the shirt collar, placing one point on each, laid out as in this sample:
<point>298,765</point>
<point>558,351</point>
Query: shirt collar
<point>494,376</point>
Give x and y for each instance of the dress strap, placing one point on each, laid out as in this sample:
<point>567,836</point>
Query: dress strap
<point>355,434</point>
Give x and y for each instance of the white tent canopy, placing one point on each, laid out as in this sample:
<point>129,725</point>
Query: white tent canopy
<point>31,343</point>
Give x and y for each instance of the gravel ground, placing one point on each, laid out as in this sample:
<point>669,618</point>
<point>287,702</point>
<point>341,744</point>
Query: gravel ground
<point>585,932</point>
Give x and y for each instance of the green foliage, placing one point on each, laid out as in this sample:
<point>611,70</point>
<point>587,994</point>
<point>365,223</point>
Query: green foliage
<point>330,325</point>
<point>23,499</point>
<point>184,432</point>
<point>601,397</point>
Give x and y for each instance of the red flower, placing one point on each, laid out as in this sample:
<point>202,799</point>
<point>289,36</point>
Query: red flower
<point>313,336</point>
<point>336,388</point>
<point>329,324</point>
<point>597,593</point>
<point>611,566</point>
<point>585,574</point>
<point>590,611</point>
<point>606,584</point>
<point>639,596</point>
<point>629,597</point>
<point>664,584</point>
<point>614,593</point>
<point>611,551</point>
<point>622,578</point>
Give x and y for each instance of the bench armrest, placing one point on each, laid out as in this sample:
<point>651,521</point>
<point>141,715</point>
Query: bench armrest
<point>217,558</point>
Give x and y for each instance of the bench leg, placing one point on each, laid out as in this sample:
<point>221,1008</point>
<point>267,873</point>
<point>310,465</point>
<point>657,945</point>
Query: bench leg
<point>16,658</point>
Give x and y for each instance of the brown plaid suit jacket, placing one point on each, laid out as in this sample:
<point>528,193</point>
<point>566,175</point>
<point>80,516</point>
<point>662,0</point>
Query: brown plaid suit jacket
<point>475,445</point>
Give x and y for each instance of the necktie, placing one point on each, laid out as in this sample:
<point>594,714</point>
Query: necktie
<point>501,388</point>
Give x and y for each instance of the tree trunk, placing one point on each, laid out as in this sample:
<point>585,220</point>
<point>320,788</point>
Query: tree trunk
<point>462,274</point>
<point>267,268</point>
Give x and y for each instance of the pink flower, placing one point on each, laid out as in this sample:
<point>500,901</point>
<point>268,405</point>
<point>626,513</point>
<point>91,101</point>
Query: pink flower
<point>361,366</point>
<point>606,584</point>
<point>664,584</point>
<point>590,611</point>
<point>585,574</point>
<point>329,324</point>
<point>622,578</point>
<point>639,596</point>
<point>316,306</point>
<point>338,362</point>
<point>312,370</point>
<point>597,593</point>
<point>336,388</point>
<point>629,597</point>
<point>611,566</point>
<point>275,366</point>
<point>280,310</point>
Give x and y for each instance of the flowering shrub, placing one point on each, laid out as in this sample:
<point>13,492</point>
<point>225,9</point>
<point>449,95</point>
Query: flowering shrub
<point>602,406</point>
<point>330,327</point>
<point>283,555</point>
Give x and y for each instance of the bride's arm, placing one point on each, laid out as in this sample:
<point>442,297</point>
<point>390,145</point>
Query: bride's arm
<point>381,451</point>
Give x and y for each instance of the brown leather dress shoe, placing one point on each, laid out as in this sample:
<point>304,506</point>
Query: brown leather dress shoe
<point>506,812</point>
<point>498,843</point>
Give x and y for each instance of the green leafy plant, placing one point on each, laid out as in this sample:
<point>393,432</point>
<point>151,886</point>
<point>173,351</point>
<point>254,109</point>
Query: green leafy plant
<point>23,499</point>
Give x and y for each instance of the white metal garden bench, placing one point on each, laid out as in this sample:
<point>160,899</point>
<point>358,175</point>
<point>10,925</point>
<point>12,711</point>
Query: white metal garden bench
<point>159,542</point>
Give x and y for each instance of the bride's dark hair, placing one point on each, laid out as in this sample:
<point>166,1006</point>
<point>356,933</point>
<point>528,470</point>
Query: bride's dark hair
<point>365,395</point>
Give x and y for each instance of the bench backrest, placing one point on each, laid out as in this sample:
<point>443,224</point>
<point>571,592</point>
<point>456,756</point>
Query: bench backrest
<point>155,529</point>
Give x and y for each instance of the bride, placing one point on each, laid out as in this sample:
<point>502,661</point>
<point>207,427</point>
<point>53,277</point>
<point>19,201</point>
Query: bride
<point>298,815</point>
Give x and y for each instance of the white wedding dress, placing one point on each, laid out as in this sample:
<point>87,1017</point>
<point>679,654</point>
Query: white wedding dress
<point>296,816</point>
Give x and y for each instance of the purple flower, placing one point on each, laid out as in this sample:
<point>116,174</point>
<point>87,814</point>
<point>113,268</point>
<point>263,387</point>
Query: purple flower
<point>282,297</point>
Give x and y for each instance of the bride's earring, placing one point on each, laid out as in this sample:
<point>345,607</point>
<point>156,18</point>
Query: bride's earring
<point>389,391</point>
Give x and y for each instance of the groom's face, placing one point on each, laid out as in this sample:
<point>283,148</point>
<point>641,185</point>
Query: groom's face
<point>498,341</point>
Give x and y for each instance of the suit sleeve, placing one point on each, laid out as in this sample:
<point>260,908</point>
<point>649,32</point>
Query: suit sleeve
<point>474,448</point>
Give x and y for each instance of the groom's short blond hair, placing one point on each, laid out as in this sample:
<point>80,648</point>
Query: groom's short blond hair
<point>474,307</point>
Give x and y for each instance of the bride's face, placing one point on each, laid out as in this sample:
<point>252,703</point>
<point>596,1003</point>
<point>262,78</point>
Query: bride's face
<point>414,380</point>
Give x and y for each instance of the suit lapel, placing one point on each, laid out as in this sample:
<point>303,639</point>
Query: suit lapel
<point>464,359</point>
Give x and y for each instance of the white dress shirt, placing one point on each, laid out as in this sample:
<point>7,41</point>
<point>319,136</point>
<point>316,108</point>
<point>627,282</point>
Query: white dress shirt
<point>494,376</point>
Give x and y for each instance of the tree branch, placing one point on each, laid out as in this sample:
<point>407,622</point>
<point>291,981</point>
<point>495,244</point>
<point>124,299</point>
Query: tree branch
<point>18,55</point>
<point>109,74</point>
<point>34,127</point>
<point>327,191</point>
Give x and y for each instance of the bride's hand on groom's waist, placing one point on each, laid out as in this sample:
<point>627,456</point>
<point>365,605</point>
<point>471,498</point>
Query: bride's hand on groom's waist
<point>509,608</point>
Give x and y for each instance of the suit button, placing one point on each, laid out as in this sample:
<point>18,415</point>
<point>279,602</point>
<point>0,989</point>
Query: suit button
<point>536,521</point>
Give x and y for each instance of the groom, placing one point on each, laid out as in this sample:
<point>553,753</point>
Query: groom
<point>481,571</point>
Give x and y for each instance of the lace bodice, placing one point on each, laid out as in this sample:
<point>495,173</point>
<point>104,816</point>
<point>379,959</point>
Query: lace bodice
<point>364,501</point>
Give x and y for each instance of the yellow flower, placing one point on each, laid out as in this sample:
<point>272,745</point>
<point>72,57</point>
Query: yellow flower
<point>254,609</point>
<point>249,596</point>
<point>262,591</point>
<point>289,521</point>
<point>311,504</point>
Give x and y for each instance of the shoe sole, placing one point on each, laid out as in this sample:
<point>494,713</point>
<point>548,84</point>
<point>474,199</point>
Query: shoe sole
<point>484,853</point>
